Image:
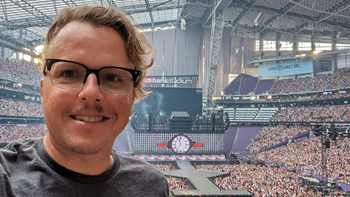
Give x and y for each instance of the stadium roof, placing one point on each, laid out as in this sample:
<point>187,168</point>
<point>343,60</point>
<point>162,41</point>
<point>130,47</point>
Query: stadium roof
<point>24,23</point>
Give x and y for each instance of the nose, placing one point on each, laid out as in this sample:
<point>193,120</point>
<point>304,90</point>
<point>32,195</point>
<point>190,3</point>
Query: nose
<point>91,91</point>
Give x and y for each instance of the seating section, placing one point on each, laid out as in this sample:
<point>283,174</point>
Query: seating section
<point>9,133</point>
<point>230,135</point>
<point>244,135</point>
<point>248,84</point>
<point>263,86</point>
<point>328,113</point>
<point>233,87</point>
<point>12,107</point>
<point>246,114</point>
<point>265,114</point>
<point>23,72</point>
<point>273,135</point>
<point>305,157</point>
<point>338,80</point>
<point>243,85</point>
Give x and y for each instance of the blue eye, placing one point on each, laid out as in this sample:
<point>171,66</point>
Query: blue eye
<point>113,78</point>
<point>68,73</point>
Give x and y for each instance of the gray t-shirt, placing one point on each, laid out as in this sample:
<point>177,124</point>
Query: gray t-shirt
<point>27,170</point>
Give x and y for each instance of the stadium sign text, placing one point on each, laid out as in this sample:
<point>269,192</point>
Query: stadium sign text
<point>285,68</point>
<point>167,80</point>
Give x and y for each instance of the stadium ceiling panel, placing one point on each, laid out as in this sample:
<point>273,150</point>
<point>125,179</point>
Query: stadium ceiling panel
<point>275,4</point>
<point>24,23</point>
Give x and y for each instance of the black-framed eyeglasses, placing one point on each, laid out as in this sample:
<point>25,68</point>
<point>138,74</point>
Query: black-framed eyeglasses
<point>68,74</point>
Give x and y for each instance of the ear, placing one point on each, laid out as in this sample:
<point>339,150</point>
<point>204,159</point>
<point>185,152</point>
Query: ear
<point>42,91</point>
<point>133,94</point>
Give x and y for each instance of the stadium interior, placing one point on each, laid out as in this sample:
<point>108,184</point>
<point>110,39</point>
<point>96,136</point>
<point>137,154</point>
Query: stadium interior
<point>249,97</point>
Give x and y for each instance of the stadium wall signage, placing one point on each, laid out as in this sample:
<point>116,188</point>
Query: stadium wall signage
<point>174,80</point>
<point>286,68</point>
<point>188,81</point>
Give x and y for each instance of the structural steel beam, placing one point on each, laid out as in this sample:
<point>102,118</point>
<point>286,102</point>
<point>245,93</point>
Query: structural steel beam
<point>12,46</point>
<point>150,13</point>
<point>244,11</point>
<point>34,22</point>
<point>33,11</point>
<point>302,17</point>
<point>16,39</point>
<point>67,3</point>
<point>217,27</point>
<point>334,10</point>
<point>111,3</point>
<point>285,10</point>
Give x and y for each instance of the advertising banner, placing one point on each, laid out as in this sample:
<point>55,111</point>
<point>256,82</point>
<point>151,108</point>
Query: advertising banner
<point>286,68</point>
<point>301,137</point>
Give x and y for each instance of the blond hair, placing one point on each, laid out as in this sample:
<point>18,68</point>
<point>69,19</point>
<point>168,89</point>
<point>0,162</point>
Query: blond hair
<point>139,51</point>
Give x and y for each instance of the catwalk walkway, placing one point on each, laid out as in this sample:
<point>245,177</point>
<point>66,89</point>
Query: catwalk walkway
<point>199,179</point>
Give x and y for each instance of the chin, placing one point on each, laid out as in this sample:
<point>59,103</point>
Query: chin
<point>87,147</point>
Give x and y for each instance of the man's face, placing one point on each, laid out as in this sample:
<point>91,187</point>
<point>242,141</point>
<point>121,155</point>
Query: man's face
<point>69,113</point>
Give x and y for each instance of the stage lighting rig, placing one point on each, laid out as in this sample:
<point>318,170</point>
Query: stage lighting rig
<point>318,130</point>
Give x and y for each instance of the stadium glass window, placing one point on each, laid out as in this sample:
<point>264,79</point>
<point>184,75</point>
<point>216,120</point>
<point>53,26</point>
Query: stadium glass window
<point>286,46</point>
<point>304,46</point>
<point>323,46</point>
<point>343,46</point>
<point>269,45</point>
<point>257,45</point>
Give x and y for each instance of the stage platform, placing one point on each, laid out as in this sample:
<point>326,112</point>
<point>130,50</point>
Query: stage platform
<point>198,178</point>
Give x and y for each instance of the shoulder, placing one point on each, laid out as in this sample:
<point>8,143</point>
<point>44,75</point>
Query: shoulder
<point>13,151</point>
<point>17,145</point>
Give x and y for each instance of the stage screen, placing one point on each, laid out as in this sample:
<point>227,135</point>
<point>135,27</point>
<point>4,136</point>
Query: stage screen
<point>162,101</point>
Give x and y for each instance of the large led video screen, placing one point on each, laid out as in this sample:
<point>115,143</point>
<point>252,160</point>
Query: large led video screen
<point>162,101</point>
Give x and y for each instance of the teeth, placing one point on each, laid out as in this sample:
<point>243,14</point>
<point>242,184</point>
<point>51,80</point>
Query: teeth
<point>88,119</point>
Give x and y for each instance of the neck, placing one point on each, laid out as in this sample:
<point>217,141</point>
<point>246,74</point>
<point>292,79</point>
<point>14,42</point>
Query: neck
<point>94,164</point>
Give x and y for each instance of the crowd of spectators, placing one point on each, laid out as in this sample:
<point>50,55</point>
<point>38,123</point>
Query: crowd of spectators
<point>336,95</point>
<point>176,183</point>
<point>272,135</point>
<point>259,180</point>
<point>305,157</point>
<point>20,71</point>
<point>164,167</point>
<point>338,80</point>
<point>328,113</point>
<point>212,167</point>
<point>9,107</point>
<point>10,133</point>
<point>319,96</point>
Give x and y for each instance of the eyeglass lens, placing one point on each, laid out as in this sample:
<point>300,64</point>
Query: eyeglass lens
<point>69,75</point>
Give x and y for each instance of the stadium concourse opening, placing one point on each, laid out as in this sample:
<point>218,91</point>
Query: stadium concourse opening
<point>246,97</point>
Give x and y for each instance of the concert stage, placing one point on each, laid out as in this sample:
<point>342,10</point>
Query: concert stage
<point>203,186</point>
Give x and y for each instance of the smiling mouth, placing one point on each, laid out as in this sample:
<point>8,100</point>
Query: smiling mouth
<point>89,119</point>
